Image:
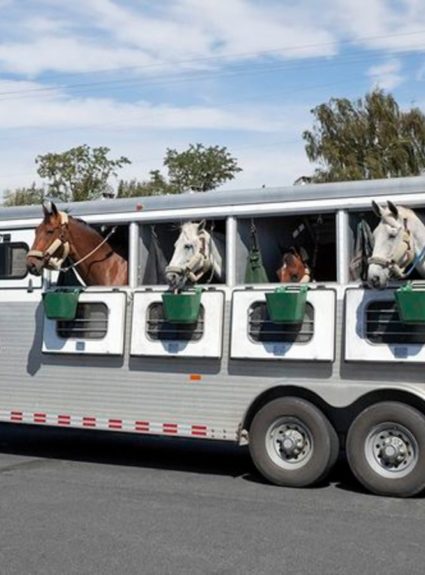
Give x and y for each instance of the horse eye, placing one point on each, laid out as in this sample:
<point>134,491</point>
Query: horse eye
<point>188,246</point>
<point>49,232</point>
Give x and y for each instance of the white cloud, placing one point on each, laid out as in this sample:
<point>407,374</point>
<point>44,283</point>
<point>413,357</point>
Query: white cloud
<point>397,26</point>
<point>182,32</point>
<point>41,38</point>
<point>56,110</point>
<point>386,75</point>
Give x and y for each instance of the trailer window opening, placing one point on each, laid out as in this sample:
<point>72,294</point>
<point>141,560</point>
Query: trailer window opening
<point>158,328</point>
<point>383,325</point>
<point>157,247</point>
<point>91,322</point>
<point>262,329</point>
<point>13,263</point>
<point>312,237</point>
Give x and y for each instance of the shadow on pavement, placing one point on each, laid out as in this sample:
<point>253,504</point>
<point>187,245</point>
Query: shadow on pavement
<point>174,454</point>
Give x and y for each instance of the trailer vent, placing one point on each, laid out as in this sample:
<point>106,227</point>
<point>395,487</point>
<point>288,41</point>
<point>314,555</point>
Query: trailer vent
<point>91,322</point>
<point>158,328</point>
<point>262,329</point>
<point>383,325</point>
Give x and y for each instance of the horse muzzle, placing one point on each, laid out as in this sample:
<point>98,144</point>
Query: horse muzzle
<point>35,266</point>
<point>377,276</point>
<point>175,279</point>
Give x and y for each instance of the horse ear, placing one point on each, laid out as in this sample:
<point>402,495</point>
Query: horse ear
<point>376,209</point>
<point>47,208</point>
<point>393,208</point>
<point>201,225</point>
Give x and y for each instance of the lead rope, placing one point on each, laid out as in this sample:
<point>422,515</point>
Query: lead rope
<point>211,262</point>
<point>83,259</point>
<point>415,262</point>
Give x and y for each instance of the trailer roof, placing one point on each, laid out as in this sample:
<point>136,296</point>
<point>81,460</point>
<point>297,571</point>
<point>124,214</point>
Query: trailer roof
<point>308,192</point>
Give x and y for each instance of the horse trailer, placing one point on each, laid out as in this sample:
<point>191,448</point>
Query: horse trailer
<point>298,371</point>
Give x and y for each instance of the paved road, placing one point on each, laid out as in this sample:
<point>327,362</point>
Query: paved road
<point>92,503</point>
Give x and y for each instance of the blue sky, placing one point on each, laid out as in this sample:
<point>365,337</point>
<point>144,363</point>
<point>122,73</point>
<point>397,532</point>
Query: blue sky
<point>141,76</point>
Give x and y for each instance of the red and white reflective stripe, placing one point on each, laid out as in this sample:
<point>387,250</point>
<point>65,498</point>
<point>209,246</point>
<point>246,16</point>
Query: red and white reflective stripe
<point>199,430</point>
<point>40,418</point>
<point>16,416</point>
<point>64,420</point>
<point>115,423</point>
<point>90,421</point>
<point>142,426</point>
<point>170,428</point>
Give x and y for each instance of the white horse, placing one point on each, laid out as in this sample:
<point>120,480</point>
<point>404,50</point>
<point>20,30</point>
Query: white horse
<point>399,244</point>
<point>196,256</point>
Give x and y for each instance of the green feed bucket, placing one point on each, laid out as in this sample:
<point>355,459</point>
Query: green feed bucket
<point>181,307</point>
<point>287,306</point>
<point>61,305</point>
<point>410,304</point>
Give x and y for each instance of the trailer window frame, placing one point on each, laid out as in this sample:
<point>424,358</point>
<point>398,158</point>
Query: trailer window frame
<point>19,245</point>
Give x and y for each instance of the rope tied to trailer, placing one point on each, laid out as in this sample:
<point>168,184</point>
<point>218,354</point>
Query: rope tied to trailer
<point>363,250</point>
<point>93,251</point>
<point>255,272</point>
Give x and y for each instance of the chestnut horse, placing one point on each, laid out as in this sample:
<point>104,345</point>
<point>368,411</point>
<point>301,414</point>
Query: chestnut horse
<point>60,236</point>
<point>294,267</point>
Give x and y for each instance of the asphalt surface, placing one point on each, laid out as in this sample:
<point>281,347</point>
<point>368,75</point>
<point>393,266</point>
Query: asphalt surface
<point>91,503</point>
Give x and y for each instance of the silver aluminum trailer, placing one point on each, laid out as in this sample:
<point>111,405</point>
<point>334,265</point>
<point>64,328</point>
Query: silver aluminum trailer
<point>295,398</point>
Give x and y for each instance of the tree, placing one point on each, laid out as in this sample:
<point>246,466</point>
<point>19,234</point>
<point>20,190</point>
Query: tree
<point>366,139</point>
<point>81,173</point>
<point>200,168</point>
<point>156,186</point>
<point>23,196</point>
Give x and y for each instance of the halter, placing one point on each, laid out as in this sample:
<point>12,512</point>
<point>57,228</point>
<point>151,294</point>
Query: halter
<point>403,256</point>
<point>199,261</point>
<point>56,262</point>
<point>48,256</point>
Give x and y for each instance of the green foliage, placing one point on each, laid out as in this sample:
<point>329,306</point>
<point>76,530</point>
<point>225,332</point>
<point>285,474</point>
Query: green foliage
<point>157,185</point>
<point>366,139</point>
<point>23,196</point>
<point>200,169</point>
<point>78,174</point>
<point>82,173</point>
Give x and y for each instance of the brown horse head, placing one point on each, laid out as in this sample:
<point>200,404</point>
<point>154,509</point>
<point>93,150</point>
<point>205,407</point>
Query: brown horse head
<point>294,267</point>
<point>51,243</point>
<point>60,236</point>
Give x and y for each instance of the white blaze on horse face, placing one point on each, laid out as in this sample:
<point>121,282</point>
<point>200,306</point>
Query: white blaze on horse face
<point>187,247</point>
<point>388,236</point>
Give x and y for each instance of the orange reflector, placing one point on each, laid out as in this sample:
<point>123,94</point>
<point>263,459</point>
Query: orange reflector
<point>195,377</point>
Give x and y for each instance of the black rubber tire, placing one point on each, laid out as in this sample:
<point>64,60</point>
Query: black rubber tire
<point>324,448</point>
<point>394,412</point>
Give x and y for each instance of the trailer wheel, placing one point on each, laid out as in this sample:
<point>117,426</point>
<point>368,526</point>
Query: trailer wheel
<point>386,449</point>
<point>292,443</point>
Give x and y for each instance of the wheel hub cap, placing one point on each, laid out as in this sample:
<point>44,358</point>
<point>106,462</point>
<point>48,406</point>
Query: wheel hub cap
<point>393,451</point>
<point>291,443</point>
